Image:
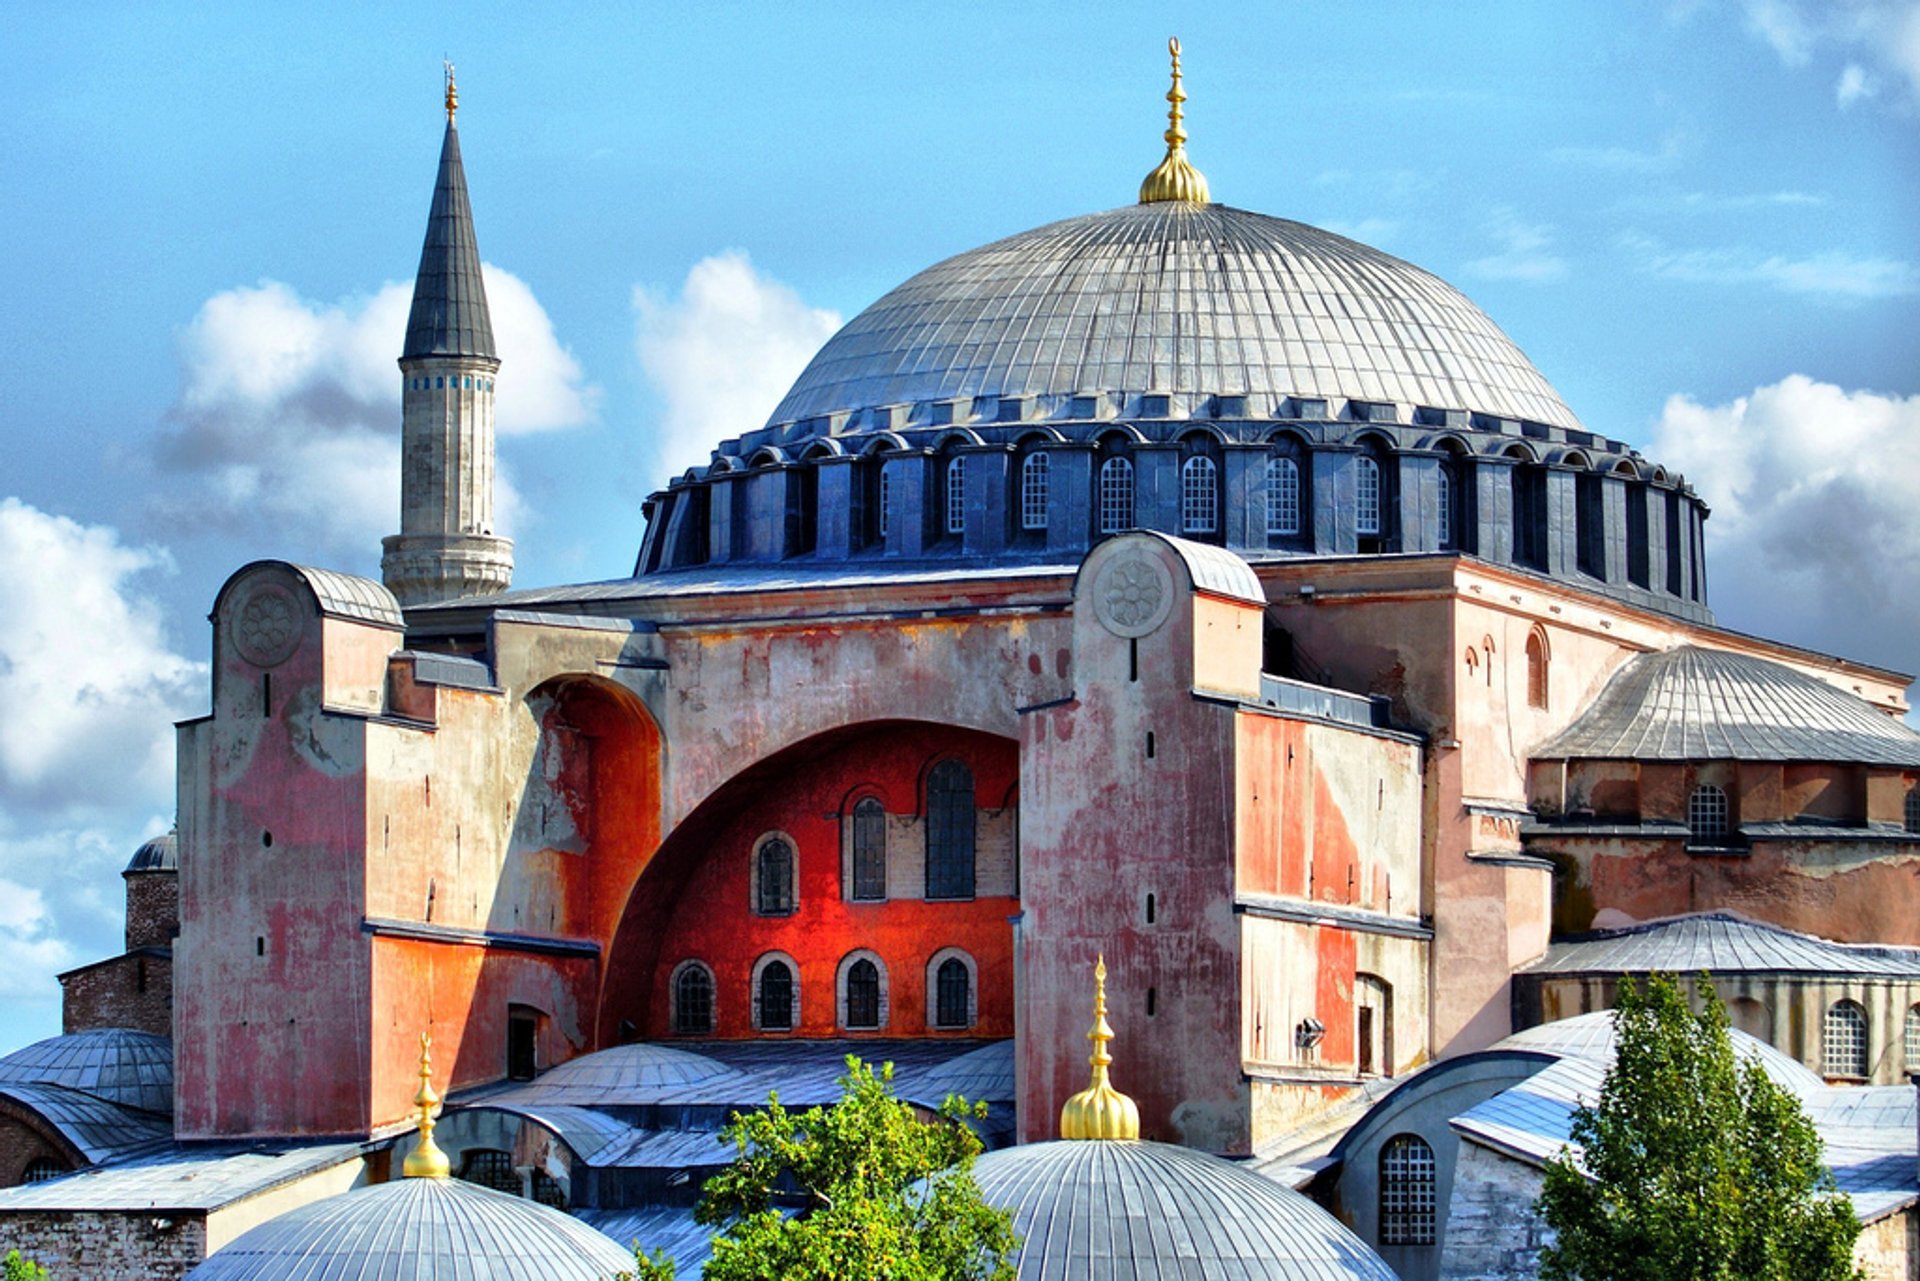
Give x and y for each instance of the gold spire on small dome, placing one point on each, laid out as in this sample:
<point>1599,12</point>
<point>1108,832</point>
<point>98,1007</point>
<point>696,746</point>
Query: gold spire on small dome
<point>1175,178</point>
<point>453,94</point>
<point>426,1161</point>
<point>1100,1111</point>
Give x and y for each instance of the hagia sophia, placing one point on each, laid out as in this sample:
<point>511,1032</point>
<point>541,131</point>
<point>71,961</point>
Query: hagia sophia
<point>1176,584</point>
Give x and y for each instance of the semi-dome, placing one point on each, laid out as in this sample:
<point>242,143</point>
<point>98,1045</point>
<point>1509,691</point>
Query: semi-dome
<point>421,1227</point>
<point>1123,1210</point>
<point>121,1065</point>
<point>1175,298</point>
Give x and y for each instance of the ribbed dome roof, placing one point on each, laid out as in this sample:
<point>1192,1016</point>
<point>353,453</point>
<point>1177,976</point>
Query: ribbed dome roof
<point>161,854</point>
<point>1691,704</point>
<point>625,1073</point>
<point>1119,1211</point>
<point>1593,1036</point>
<point>445,1229</point>
<point>1175,298</point>
<point>118,1064</point>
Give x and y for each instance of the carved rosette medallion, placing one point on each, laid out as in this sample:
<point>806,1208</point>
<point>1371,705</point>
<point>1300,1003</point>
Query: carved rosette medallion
<point>266,630</point>
<point>1133,595</point>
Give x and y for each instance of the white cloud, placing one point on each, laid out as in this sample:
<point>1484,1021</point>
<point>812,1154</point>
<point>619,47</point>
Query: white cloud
<point>1526,252</point>
<point>1855,84</point>
<point>1832,275</point>
<point>723,352</point>
<point>1883,33</point>
<point>287,426</point>
<point>1815,495</point>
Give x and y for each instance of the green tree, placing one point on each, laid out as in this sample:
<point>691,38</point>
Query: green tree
<point>872,1193</point>
<point>1694,1166</point>
<point>23,1269</point>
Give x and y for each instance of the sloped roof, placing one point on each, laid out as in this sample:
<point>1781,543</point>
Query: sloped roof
<point>133,1069</point>
<point>1592,1036</point>
<point>103,1131</point>
<point>1691,704</point>
<point>1720,943</point>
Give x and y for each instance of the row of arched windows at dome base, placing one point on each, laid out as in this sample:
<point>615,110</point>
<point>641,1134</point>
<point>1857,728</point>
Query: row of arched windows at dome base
<point>1376,498</point>
<point>862,994</point>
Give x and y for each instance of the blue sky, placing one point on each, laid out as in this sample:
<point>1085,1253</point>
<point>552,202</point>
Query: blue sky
<point>1699,219</point>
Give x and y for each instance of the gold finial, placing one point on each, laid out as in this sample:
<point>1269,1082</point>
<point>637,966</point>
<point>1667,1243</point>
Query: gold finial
<point>426,1161</point>
<point>453,94</point>
<point>1100,1111</point>
<point>1174,178</point>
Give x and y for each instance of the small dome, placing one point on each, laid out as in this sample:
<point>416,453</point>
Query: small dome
<point>161,854</point>
<point>445,1229</point>
<point>1694,704</point>
<point>1123,1210</point>
<point>134,1069</point>
<point>626,1073</point>
<point>1592,1036</point>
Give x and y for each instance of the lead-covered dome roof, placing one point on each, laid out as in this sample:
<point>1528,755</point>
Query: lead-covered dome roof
<point>121,1065</point>
<point>1175,298</point>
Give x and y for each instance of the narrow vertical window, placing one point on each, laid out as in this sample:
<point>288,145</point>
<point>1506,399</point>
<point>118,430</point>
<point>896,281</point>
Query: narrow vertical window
<point>1407,1191</point>
<point>1198,496</point>
<point>953,995</point>
<point>1366,496</point>
<point>1912,815</point>
<point>863,995</point>
<point>773,1003</point>
<point>1116,495</point>
<point>1537,669</point>
<point>693,1000</point>
<point>1444,507</point>
<point>1912,1039</point>
<point>886,502</point>
<point>773,880</point>
<point>1707,817</point>
<point>1283,497</point>
<point>1033,491</point>
<point>950,821</point>
<point>1844,1039</point>
<point>956,496</point>
<point>869,850</point>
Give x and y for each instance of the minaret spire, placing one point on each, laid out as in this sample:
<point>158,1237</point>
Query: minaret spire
<point>1175,178</point>
<point>446,546</point>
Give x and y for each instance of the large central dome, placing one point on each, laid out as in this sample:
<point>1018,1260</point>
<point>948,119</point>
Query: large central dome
<point>1178,298</point>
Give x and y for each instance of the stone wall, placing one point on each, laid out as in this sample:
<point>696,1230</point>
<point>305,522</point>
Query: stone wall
<point>1493,1233</point>
<point>24,1140</point>
<point>103,1246</point>
<point>134,990</point>
<point>1889,1249</point>
<point>153,909</point>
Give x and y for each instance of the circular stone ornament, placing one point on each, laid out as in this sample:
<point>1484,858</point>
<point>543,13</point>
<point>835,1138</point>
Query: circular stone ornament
<point>266,630</point>
<point>1133,595</point>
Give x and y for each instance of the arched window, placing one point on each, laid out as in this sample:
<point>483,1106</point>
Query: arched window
<point>1283,497</point>
<point>774,996</point>
<point>952,995</point>
<point>1444,506</point>
<point>950,819</point>
<point>773,878</point>
<point>1116,495</point>
<point>1707,822</point>
<point>1912,815</point>
<point>1366,497</point>
<point>956,496</point>
<point>1199,483</point>
<point>41,1169</point>
<point>1911,1041</point>
<point>692,999</point>
<point>1407,1191</point>
<point>1537,660</point>
<point>868,842</point>
<point>1034,473</point>
<point>1843,1041</point>
<point>863,995</point>
<point>490,1168</point>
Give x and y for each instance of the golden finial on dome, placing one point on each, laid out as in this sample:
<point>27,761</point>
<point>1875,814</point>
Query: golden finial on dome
<point>426,1161</point>
<point>1174,178</point>
<point>1100,1111</point>
<point>453,94</point>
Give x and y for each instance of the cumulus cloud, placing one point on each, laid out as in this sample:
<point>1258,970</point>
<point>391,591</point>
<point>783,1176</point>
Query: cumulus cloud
<point>287,424</point>
<point>1855,83</point>
<point>1832,275</point>
<point>1526,252</point>
<point>723,352</point>
<point>1870,34</point>
<point>1815,494</point>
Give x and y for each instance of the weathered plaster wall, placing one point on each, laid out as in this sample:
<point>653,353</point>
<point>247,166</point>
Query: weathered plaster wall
<point>104,1245</point>
<point>1493,1232</point>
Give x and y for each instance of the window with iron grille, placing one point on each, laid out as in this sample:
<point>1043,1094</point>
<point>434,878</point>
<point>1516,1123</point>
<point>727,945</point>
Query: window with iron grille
<point>41,1169</point>
<point>490,1168</point>
<point>886,502</point>
<point>1844,1039</point>
<point>1366,497</point>
<point>773,882</point>
<point>1199,513</point>
<point>863,994</point>
<point>956,497</point>
<point>693,1000</point>
<point>1283,497</point>
<point>774,1000</point>
<point>1034,474</point>
<point>1912,1046</point>
<point>1407,1199</point>
<point>547,1190</point>
<point>1445,508</point>
<point>1116,495</point>
<point>1913,810</point>
<point>1707,815</point>
<point>869,840</point>
<point>953,994</point>
<point>950,831</point>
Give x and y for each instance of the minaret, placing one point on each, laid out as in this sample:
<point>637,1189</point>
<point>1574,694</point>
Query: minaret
<point>446,546</point>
